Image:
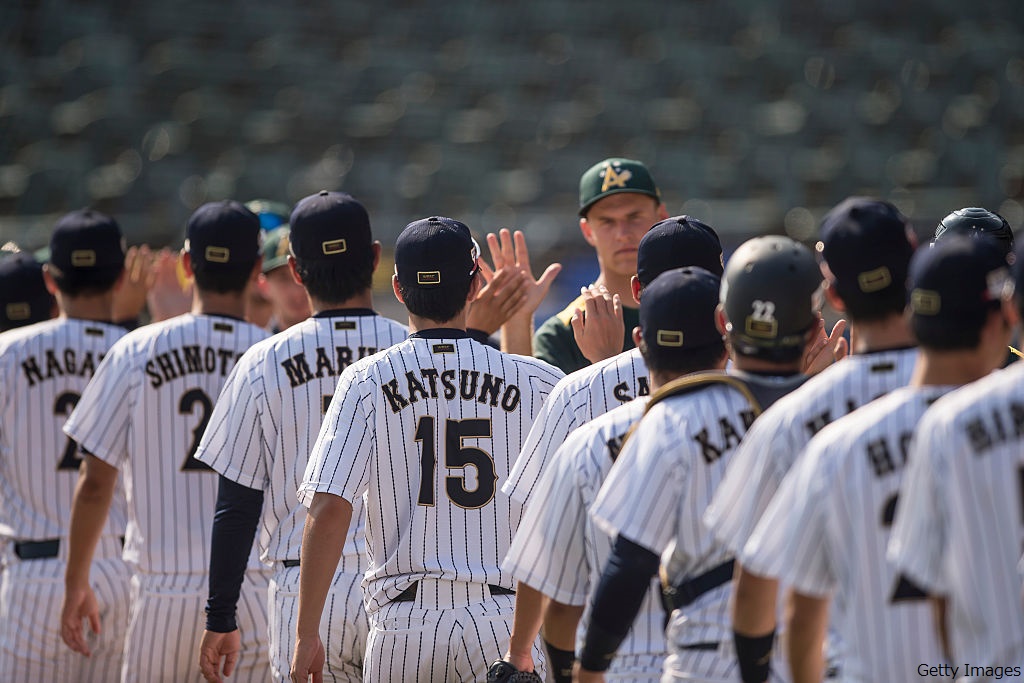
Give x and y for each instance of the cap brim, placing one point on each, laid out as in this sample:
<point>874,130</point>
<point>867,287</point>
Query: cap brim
<point>586,207</point>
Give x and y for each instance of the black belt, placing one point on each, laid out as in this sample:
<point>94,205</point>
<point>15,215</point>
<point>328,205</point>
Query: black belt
<point>37,550</point>
<point>687,592</point>
<point>290,563</point>
<point>409,594</point>
<point>699,646</point>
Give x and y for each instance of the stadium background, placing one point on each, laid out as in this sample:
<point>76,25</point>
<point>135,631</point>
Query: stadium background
<point>754,116</point>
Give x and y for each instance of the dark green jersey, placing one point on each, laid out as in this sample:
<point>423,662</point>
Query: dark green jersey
<point>554,341</point>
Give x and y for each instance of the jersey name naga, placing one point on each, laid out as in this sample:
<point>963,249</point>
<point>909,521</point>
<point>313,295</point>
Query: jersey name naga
<point>59,365</point>
<point>485,388</point>
<point>190,360</point>
<point>299,372</point>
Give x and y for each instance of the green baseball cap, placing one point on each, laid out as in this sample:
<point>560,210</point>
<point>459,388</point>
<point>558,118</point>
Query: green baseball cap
<point>612,176</point>
<point>275,248</point>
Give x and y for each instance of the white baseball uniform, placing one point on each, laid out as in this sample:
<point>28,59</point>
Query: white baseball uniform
<point>826,531</point>
<point>578,398</point>
<point>959,526</point>
<point>144,413</point>
<point>426,430</point>
<point>44,369</point>
<point>260,435</point>
<point>655,496</point>
<point>558,550</point>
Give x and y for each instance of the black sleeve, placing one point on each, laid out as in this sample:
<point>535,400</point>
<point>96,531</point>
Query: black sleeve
<point>620,592</point>
<point>234,528</point>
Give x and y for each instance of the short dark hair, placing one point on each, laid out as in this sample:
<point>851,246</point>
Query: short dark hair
<point>221,280</point>
<point>932,334</point>
<point>335,281</point>
<point>90,283</point>
<point>678,361</point>
<point>878,306</point>
<point>439,304</point>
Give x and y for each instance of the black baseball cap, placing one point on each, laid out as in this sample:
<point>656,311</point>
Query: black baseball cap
<point>613,176</point>
<point>330,225</point>
<point>676,242</point>
<point>85,242</point>
<point>223,235</point>
<point>24,298</point>
<point>955,284</point>
<point>677,310</point>
<point>436,252</point>
<point>867,244</point>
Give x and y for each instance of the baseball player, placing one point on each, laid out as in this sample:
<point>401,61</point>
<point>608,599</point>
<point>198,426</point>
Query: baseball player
<point>263,427</point>
<point>825,533</point>
<point>619,202</point>
<point>596,389</point>
<point>143,414</point>
<point>24,299</point>
<point>653,498</point>
<point>286,296</point>
<point>958,530</point>
<point>557,550</point>
<point>43,370</point>
<point>259,309</point>
<point>866,247</point>
<point>426,430</point>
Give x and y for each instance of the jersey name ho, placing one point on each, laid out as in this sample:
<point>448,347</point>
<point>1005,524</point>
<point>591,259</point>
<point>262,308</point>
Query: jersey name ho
<point>575,400</point>
<point>826,532</point>
<point>427,429</point>
<point>269,413</point>
<point>44,369</point>
<point>145,412</point>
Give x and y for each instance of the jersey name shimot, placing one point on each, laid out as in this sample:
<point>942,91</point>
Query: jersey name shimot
<point>470,385</point>
<point>191,359</point>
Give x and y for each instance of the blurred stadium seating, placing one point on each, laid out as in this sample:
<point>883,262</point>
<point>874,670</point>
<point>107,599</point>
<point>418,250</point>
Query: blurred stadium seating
<point>755,116</point>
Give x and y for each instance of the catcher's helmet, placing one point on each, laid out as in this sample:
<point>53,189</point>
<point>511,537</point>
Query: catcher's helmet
<point>771,294</point>
<point>974,221</point>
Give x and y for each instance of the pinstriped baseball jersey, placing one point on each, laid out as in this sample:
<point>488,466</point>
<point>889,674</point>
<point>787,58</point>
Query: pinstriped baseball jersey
<point>826,531</point>
<point>660,486</point>
<point>44,369</point>
<point>428,429</point>
<point>959,526</point>
<point>558,550</point>
<point>577,399</point>
<point>783,430</point>
<point>267,418</point>
<point>144,413</point>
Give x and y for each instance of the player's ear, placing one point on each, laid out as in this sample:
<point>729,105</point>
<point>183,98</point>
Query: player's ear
<point>294,270</point>
<point>397,289</point>
<point>51,284</point>
<point>832,296</point>
<point>637,337</point>
<point>588,234</point>
<point>186,263</point>
<point>376,248</point>
<point>635,287</point>
<point>721,323</point>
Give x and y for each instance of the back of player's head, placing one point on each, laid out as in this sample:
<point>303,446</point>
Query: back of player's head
<point>677,321</point>
<point>86,252</point>
<point>24,298</point>
<point>976,222</point>
<point>954,286</point>
<point>866,244</point>
<point>615,176</point>
<point>436,260</point>
<point>223,242</point>
<point>675,243</point>
<point>332,243</point>
<point>771,296</point>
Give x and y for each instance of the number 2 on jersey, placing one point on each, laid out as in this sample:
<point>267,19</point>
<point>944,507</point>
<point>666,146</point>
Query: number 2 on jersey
<point>185,407</point>
<point>64,404</point>
<point>457,456</point>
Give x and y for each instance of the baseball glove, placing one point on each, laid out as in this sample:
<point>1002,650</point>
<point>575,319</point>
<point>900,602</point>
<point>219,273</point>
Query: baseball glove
<point>503,672</point>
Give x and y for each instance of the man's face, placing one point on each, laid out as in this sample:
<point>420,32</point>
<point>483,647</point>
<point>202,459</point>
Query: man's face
<point>615,225</point>
<point>291,305</point>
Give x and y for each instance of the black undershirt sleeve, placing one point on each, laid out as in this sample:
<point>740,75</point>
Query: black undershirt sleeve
<point>624,582</point>
<point>234,528</point>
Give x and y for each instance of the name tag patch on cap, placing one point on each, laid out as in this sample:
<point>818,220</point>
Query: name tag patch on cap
<point>925,302</point>
<point>18,311</point>
<point>345,325</point>
<point>332,247</point>
<point>443,348</point>
<point>217,254</point>
<point>83,258</point>
<point>428,277</point>
<point>874,280</point>
<point>670,338</point>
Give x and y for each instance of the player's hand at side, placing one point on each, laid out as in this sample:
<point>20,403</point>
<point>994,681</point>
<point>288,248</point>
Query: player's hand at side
<point>826,349</point>
<point>216,648</point>
<point>308,660</point>
<point>79,605</point>
<point>598,327</point>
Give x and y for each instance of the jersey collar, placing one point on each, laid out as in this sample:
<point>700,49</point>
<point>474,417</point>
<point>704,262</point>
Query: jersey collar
<point>440,333</point>
<point>349,312</point>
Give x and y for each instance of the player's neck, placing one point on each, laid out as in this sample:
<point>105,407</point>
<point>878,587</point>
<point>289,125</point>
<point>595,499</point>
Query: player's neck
<point>617,284</point>
<point>877,335</point>
<point>766,367</point>
<point>418,324</point>
<point>216,303</point>
<point>98,308</point>
<point>361,300</point>
<point>949,368</point>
